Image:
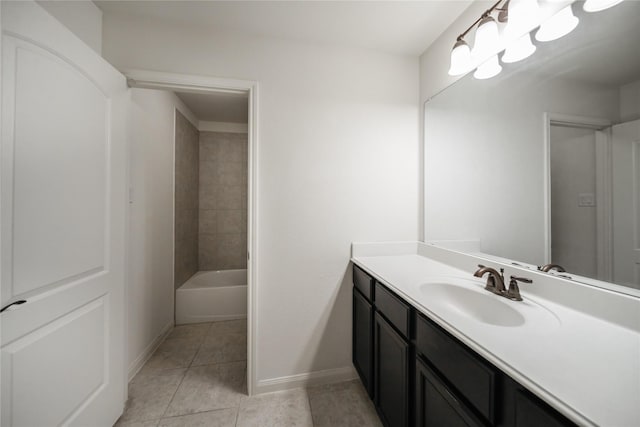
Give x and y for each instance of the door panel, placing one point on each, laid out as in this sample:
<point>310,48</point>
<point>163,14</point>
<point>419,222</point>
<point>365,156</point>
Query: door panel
<point>62,226</point>
<point>59,171</point>
<point>75,345</point>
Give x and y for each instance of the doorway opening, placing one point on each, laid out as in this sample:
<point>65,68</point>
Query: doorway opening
<point>578,195</point>
<point>215,209</point>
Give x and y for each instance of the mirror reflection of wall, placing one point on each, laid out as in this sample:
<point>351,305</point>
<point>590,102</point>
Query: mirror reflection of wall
<point>531,163</point>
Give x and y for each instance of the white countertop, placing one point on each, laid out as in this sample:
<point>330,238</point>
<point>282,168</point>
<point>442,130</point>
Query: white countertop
<point>586,367</point>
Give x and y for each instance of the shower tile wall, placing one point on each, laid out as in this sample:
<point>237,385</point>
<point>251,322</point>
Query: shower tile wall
<point>186,200</point>
<point>223,201</point>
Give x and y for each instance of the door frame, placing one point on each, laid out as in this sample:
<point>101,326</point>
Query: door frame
<point>137,78</point>
<point>602,130</point>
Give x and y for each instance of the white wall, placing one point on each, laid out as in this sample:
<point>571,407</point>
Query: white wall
<point>82,17</point>
<point>338,161</point>
<point>150,291</point>
<point>630,102</point>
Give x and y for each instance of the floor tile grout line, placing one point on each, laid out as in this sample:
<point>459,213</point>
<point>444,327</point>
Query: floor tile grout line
<point>186,370</point>
<point>235,424</point>
<point>184,376</point>
<point>173,396</point>
<point>196,413</point>
<point>313,423</point>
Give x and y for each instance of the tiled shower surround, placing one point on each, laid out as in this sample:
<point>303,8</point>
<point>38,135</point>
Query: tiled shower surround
<point>186,200</point>
<point>222,234</point>
<point>210,200</point>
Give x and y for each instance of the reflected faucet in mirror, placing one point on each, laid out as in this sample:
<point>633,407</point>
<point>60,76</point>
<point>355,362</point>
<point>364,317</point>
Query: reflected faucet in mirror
<point>548,267</point>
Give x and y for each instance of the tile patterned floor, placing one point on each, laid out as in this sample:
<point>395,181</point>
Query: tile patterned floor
<point>197,378</point>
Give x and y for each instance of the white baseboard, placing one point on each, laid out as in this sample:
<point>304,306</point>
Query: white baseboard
<point>185,320</point>
<point>307,379</point>
<point>149,350</point>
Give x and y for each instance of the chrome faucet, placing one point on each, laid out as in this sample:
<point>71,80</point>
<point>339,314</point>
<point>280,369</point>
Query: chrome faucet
<point>548,267</point>
<point>495,281</point>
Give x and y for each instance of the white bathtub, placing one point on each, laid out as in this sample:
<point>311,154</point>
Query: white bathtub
<point>212,296</point>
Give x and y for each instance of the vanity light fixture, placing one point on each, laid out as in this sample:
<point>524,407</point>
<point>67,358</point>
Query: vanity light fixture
<point>461,62</point>
<point>519,49</point>
<point>486,43</point>
<point>487,39</point>
<point>464,59</point>
<point>559,25</point>
<point>489,68</point>
<point>598,5</point>
<point>521,16</point>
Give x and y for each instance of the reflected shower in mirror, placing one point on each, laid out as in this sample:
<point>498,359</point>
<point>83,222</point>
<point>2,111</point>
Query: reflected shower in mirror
<point>541,164</point>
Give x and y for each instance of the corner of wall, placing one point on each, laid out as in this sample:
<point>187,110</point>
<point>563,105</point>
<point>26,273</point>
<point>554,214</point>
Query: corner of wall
<point>83,18</point>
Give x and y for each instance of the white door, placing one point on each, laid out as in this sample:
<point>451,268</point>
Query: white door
<point>626,203</point>
<point>63,181</point>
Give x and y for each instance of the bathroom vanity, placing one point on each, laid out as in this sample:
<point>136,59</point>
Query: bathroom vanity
<point>434,348</point>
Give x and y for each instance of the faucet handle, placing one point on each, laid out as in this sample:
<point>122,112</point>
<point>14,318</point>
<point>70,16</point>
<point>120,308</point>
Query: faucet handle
<point>513,293</point>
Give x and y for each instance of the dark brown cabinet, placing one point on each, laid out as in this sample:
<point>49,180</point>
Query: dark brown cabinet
<point>474,379</point>
<point>418,374</point>
<point>436,405</point>
<point>391,374</point>
<point>532,412</point>
<point>363,339</point>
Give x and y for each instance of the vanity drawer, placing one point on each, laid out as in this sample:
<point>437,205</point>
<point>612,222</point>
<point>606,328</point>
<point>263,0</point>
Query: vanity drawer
<point>473,378</point>
<point>363,282</point>
<point>396,311</point>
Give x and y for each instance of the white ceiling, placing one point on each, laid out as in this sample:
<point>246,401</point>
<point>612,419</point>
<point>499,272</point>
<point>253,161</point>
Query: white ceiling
<point>403,27</point>
<point>217,107</point>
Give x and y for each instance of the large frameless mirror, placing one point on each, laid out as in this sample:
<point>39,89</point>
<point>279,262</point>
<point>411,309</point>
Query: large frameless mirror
<point>540,165</point>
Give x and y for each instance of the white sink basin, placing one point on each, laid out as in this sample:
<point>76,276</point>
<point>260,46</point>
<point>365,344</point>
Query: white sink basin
<point>474,303</point>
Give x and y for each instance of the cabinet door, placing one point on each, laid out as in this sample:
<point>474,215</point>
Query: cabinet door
<point>363,340</point>
<point>391,359</point>
<point>531,412</point>
<point>435,405</point>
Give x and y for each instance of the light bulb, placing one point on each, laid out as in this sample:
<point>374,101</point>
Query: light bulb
<point>487,39</point>
<point>460,59</point>
<point>598,5</point>
<point>560,24</point>
<point>489,68</point>
<point>519,49</point>
<point>522,17</point>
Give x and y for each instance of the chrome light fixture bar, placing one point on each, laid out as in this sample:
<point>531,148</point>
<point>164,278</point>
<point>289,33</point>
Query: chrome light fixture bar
<point>521,17</point>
